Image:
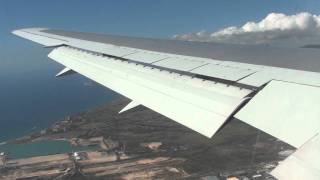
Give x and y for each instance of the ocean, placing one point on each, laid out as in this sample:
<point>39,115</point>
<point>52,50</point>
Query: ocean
<point>41,148</point>
<point>33,100</point>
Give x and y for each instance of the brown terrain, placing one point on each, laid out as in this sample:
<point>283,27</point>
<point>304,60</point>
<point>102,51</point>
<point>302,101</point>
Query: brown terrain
<point>142,144</point>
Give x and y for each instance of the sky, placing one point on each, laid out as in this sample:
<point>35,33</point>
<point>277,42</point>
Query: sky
<point>276,29</point>
<point>28,89</point>
<point>146,18</point>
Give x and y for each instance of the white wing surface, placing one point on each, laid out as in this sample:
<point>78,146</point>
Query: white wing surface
<point>203,92</point>
<point>200,85</point>
<point>200,105</point>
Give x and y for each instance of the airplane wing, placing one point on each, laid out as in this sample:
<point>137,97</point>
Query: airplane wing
<point>200,85</point>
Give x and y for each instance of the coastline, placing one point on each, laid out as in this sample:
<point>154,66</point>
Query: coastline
<point>141,133</point>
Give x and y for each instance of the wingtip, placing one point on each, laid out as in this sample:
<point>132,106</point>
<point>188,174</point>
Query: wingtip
<point>17,31</point>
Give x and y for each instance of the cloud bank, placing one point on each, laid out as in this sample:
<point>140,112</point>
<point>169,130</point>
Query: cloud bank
<point>274,28</point>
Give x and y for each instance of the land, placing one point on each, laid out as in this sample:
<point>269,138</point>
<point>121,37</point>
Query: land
<point>142,144</point>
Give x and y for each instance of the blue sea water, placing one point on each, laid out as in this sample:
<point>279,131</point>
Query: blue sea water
<point>33,100</point>
<point>41,148</point>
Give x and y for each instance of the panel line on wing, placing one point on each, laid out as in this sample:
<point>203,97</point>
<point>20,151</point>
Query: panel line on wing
<point>180,98</point>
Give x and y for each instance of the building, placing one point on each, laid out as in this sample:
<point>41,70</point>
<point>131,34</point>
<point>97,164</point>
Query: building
<point>3,159</point>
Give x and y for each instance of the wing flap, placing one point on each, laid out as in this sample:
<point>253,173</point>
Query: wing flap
<point>284,110</point>
<point>201,109</point>
<point>305,163</point>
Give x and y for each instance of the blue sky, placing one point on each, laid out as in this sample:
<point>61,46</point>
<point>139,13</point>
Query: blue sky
<point>142,17</point>
<point>162,19</point>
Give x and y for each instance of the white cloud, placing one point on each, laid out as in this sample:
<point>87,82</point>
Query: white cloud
<point>274,28</point>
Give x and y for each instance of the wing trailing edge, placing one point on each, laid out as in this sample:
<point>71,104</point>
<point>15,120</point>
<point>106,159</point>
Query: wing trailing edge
<point>283,109</point>
<point>302,164</point>
<point>200,105</point>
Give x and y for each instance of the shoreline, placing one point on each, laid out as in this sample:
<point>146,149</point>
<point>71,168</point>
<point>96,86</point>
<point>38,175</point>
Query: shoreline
<point>141,133</point>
